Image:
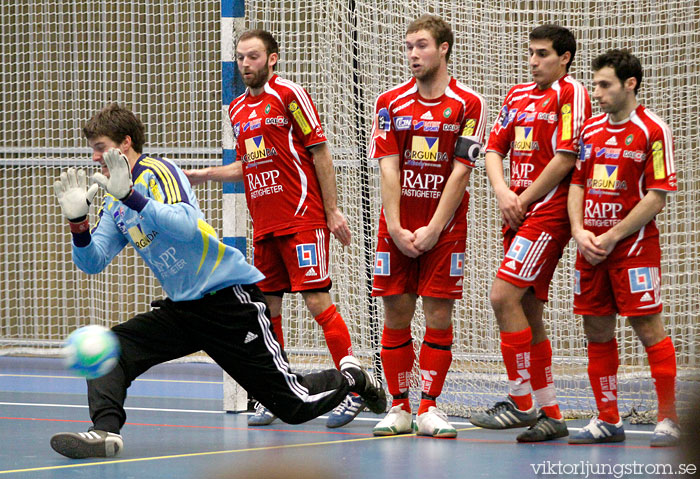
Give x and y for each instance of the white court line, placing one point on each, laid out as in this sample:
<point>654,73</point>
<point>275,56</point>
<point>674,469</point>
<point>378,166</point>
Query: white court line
<point>200,411</point>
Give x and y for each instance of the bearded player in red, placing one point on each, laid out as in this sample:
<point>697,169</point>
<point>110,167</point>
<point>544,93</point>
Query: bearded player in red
<point>538,126</point>
<point>427,134</point>
<point>620,184</point>
<point>283,158</point>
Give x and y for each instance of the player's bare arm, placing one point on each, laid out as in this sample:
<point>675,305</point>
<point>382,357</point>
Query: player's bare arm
<point>391,200</point>
<point>556,170</point>
<point>452,195</point>
<point>584,238</point>
<point>325,173</point>
<point>231,172</point>
<point>512,211</point>
<point>643,212</point>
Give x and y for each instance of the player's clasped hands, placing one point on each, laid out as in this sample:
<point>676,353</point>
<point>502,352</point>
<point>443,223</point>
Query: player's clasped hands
<point>590,248</point>
<point>512,211</point>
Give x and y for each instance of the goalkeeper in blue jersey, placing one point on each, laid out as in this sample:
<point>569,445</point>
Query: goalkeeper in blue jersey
<point>213,303</point>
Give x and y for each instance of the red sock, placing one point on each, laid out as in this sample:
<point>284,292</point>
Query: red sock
<point>397,361</point>
<point>515,348</point>
<point>434,362</point>
<point>662,361</point>
<point>277,328</point>
<point>336,332</point>
<point>542,380</point>
<point>603,362</point>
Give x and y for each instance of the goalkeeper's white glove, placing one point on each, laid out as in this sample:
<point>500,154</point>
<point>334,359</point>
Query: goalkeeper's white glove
<point>73,195</point>
<point>119,183</point>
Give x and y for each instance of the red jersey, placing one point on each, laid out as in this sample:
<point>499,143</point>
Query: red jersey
<point>272,133</point>
<point>423,134</point>
<point>533,126</point>
<point>618,164</point>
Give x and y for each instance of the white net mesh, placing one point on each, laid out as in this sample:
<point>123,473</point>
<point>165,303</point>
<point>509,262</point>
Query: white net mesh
<point>62,61</point>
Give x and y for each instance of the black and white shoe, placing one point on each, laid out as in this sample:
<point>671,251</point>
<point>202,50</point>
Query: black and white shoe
<point>94,443</point>
<point>371,391</point>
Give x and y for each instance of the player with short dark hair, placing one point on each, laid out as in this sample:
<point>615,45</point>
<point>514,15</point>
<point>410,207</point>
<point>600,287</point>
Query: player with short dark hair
<point>212,301</point>
<point>283,158</point>
<point>622,178</point>
<point>427,135</point>
<point>538,126</point>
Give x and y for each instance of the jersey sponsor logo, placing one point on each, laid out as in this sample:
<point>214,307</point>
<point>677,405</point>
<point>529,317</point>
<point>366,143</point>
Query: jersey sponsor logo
<point>523,139</point>
<point>252,125</point>
<point>306,255</point>
<point>641,279</point>
<point>429,126</point>
<point>548,117</point>
<point>267,108</point>
<point>447,112</point>
<point>469,127</point>
<point>168,264</point>
<point>657,149</point>
<point>577,282</point>
<point>118,216</point>
<point>382,264</point>
<point>422,181</point>
<point>276,121</point>
<point>425,148</point>
<point>605,178</point>
<point>450,127</point>
<point>236,129</point>
<point>521,170</point>
<point>255,149</point>
<point>527,117</point>
<point>629,139</point>
<point>519,248</point>
<point>612,153</point>
<point>586,152</point>
<point>383,120</point>
<point>263,183</point>
<point>637,155</point>
<point>566,122</point>
<point>402,123</point>
<point>602,214</point>
<point>457,264</point>
<point>141,239</point>
<point>300,118</point>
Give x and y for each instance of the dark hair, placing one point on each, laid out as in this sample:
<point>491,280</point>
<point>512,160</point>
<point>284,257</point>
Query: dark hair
<point>438,28</point>
<point>562,39</point>
<point>116,123</point>
<point>623,62</point>
<point>266,37</point>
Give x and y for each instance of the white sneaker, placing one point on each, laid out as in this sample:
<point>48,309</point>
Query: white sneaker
<point>666,434</point>
<point>434,423</point>
<point>397,421</point>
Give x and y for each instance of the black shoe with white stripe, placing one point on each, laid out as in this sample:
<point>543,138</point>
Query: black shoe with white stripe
<point>364,384</point>
<point>505,415</point>
<point>545,429</point>
<point>94,443</point>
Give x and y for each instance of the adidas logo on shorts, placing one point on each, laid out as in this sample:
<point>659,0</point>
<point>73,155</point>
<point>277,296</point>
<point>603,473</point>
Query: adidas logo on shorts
<point>311,272</point>
<point>249,337</point>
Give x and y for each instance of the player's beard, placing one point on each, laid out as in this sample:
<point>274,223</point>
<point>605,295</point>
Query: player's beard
<point>428,74</point>
<point>258,79</point>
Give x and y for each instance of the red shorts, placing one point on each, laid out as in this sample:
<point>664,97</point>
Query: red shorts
<point>295,262</point>
<point>437,273</point>
<point>627,290</point>
<point>531,256</point>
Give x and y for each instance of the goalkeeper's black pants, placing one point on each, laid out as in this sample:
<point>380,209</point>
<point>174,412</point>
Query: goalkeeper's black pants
<point>233,327</point>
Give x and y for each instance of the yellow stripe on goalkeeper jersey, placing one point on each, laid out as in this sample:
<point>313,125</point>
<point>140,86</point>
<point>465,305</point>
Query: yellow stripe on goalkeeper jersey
<point>206,230</point>
<point>172,190</point>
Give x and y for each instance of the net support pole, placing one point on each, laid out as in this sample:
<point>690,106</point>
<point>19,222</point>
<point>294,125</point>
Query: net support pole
<point>234,204</point>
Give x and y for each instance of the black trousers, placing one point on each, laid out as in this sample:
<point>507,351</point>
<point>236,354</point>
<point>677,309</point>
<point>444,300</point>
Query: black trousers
<point>233,327</point>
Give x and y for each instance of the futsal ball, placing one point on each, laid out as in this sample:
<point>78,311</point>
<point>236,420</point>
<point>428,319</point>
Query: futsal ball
<point>91,351</point>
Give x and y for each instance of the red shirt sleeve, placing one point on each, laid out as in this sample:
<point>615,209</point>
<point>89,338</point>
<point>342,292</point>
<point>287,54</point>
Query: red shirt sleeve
<point>574,110</point>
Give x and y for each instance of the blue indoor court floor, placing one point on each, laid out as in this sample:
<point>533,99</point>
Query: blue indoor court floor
<point>176,429</point>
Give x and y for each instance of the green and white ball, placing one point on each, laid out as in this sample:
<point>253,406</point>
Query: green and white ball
<point>91,351</point>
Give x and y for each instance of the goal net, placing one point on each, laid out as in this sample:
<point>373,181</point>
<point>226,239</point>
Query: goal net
<point>63,60</point>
